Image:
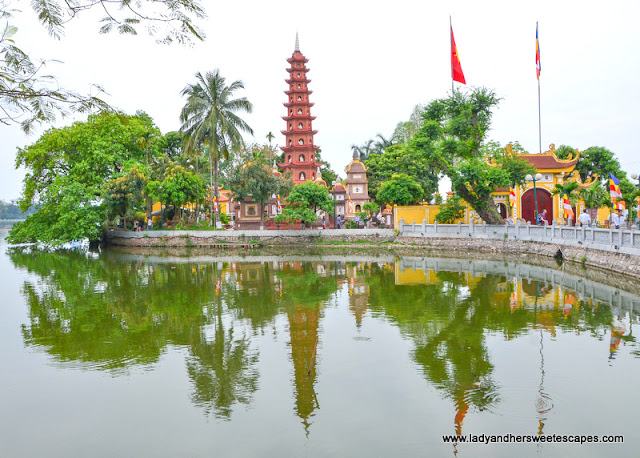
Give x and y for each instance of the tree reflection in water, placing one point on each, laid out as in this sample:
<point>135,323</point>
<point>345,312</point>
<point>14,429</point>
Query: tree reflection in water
<point>106,313</point>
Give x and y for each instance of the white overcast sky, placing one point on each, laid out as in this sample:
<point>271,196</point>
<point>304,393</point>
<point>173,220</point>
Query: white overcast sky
<point>370,63</point>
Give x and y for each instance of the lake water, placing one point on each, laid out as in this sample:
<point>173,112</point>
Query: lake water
<point>124,354</point>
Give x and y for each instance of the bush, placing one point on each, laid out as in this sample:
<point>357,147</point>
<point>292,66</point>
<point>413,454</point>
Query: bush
<point>450,211</point>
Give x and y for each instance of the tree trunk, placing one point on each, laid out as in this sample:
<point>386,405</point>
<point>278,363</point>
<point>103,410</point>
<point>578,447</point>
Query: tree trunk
<point>215,186</point>
<point>261,215</point>
<point>197,198</point>
<point>148,197</point>
<point>484,206</point>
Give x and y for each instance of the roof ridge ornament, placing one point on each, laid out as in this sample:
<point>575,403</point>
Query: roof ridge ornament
<point>297,43</point>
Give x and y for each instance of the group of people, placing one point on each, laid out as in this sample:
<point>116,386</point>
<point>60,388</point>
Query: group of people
<point>585,219</point>
<point>138,226</point>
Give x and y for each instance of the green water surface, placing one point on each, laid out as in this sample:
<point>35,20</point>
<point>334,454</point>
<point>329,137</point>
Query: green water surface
<point>115,353</point>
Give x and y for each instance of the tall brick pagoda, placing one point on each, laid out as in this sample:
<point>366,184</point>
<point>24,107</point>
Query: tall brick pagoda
<point>299,149</point>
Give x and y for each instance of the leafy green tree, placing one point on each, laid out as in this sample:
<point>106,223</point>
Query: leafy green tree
<point>401,189</point>
<point>368,211</point>
<point>400,159</point>
<point>405,130</point>
<point>125,193</point>
<point>209,120</point>
<point>304,202</point>
<point>179,187</point>
<point>507,158</point>
<point>451,139</point>
<point>254,180</point>
<point>595,159</point>
<point>171,144</point>
<point>451,211</point>
<point>65,172</point>
<point>28,97</point>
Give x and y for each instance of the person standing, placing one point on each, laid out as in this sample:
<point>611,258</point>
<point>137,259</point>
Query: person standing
<point>542,218</point>
<point>324,222</point>
<point>584,218</point>
<point>149,224</point>
<point>339,222</point>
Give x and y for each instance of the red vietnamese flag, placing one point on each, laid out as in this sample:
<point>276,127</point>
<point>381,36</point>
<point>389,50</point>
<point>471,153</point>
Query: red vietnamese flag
<point>456,68</point>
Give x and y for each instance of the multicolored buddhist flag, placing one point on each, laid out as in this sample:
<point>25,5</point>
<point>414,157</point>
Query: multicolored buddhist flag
<point>215,204</point>
<point>638,205</point>
<point>538,66</point>
<point>512,197</point>
<point>566,206</point>
<point>614,190</point>
<point>279,205</point>
<point>614,187</point>
<point>350,208</point>
<point>456,67</point>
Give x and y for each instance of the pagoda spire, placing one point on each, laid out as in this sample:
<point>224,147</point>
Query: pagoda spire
<point>299,148</point>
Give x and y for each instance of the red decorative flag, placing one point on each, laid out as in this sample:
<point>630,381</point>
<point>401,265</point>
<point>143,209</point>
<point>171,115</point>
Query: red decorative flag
<point>566,205</point>
<point>215,204</point>
<point>538,67</point>
<point>456,68</point>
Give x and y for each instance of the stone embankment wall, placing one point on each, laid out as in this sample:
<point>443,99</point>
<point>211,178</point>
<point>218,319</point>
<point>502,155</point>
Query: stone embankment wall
<point>622,263</point>
<point>240,239</point>
<point>573,245</point>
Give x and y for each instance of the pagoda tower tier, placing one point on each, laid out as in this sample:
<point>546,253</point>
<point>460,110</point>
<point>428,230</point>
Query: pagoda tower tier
<point>299,148</point>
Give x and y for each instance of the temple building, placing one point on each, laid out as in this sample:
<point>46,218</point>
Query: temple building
<point>553,171</point>
<point>299,149</point>
<point>357,186</point>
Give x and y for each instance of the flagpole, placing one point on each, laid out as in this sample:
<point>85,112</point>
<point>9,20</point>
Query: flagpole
<point>450,48</point>
<point>539,115</point>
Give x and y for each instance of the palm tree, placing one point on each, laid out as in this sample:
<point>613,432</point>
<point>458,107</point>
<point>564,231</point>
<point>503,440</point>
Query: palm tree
<point>209,120</point>
<point>270,137</point>
<point>382,144</point>
<point>594,197</point>
<point>570,188</point>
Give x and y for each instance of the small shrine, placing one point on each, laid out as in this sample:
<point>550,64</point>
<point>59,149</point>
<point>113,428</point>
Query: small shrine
<point>299,149</point>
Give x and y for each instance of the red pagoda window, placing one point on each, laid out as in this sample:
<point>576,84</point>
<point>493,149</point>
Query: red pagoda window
<point>299,98</point>
<point>298,75</point>
<point>302,176</point>
<point>289,126</point>
<point>301,142</point>
<point>301,158</point>
<point>299,86</point>
<point>299,110</point>
<point>300,125</point>
<point>288,158</point>
<point>290,142</point>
